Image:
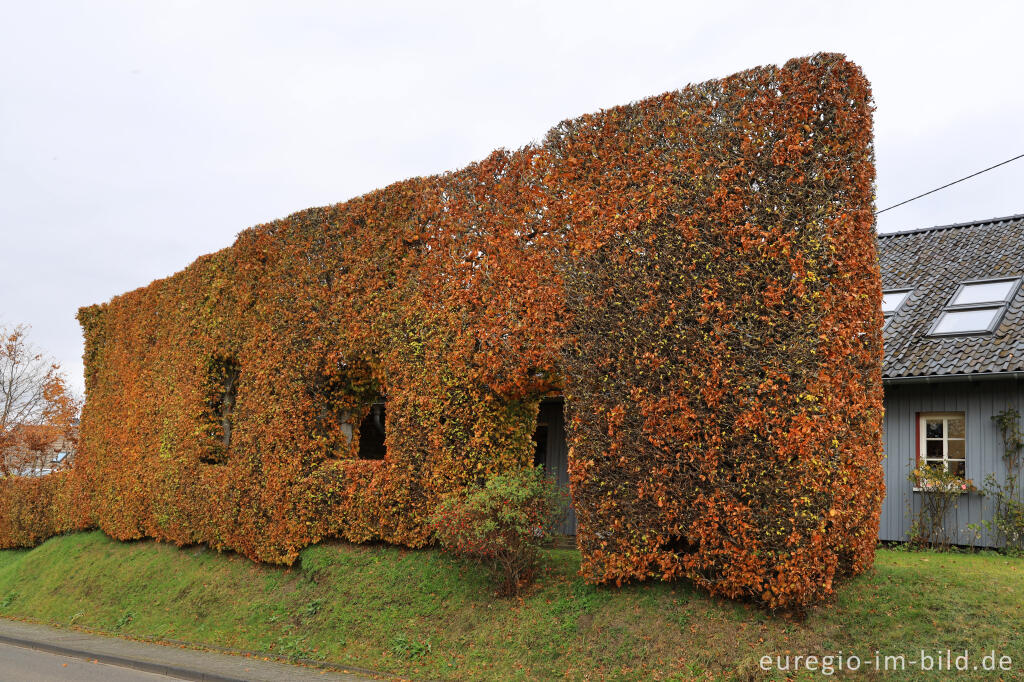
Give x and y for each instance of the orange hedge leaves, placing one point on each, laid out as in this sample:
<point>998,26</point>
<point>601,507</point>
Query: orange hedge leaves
<point>695,271</point>
<point>723,383</point>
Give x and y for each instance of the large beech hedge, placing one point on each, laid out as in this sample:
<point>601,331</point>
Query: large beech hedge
<point>696,272</point>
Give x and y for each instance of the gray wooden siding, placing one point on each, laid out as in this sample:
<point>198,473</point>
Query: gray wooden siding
<point>980,401</point>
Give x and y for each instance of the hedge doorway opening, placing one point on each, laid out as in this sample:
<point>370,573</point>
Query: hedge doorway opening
<point>552,452</point>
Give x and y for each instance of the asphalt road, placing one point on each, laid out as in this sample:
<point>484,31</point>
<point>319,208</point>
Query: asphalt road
<point>25,656</point>
<point>28,665</point>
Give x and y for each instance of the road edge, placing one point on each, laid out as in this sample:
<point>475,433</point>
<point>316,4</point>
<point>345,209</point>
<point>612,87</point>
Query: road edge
<point>180,672</point>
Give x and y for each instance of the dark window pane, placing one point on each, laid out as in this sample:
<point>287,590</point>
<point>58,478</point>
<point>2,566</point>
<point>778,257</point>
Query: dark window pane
<point>958,468</point>
<point>933,449</point>
<point>933,428</point>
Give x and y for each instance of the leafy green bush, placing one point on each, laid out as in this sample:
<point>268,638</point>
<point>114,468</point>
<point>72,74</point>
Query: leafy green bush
<point>502,524</point>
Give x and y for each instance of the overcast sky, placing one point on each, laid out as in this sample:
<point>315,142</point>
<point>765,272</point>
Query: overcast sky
<point>135,136</point>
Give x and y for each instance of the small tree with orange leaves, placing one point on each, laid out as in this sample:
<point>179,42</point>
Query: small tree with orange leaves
<point>37,411</point>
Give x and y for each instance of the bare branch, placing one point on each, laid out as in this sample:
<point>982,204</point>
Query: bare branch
<point>38,414</point>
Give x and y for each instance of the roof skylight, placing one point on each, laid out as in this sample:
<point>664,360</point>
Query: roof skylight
<point>984,292</point>
<point>965,321</point>
<point>892,300</point>
<point>976,307</point>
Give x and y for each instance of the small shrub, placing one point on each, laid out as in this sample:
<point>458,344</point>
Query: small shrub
<point>502,525</point>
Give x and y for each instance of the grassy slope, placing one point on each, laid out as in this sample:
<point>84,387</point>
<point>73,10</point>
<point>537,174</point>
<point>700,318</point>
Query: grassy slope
<point>418,613</point>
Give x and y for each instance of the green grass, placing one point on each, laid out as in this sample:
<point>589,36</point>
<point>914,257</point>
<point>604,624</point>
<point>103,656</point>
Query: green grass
<point>420,614</point>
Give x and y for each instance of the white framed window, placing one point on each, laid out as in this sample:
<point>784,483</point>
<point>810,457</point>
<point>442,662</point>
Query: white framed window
<point>943,441</point>
<point>976,307</point>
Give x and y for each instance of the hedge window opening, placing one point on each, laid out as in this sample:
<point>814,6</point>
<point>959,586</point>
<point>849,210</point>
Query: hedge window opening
<point>372,440</point>
<point>333,410</point>
<point>943,442</point>
<point>224,375</point>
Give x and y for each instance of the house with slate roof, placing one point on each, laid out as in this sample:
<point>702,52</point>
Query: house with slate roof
<point>954,358</point>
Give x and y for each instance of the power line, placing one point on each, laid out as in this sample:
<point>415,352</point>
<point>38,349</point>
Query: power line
<point>966,177</point>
